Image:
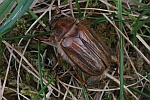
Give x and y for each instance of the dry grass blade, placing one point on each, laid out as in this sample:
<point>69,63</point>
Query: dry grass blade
<point>4,83</point>
<point>144,43</point>
<point>7,44</point>
<point>117,81</point>
<point>29,64</point>
<point>147,60</point>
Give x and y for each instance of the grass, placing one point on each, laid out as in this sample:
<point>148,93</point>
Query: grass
<point>121,51</point>
<point>30,70</point>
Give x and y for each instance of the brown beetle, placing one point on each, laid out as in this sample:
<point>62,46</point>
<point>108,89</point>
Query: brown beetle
<point>80,46</point>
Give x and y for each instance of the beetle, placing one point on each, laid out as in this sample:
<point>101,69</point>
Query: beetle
<point>80,46</point>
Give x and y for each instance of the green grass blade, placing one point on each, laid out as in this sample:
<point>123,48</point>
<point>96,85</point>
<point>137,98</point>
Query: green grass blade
<point>5,7</point>
<point>79,10</point>
<point>6,31</point>
<point>121,51</point>
<point>148,75</point>
<point>21,8</point>
<point>138,24</point>
<point>49,82</point>
<point>138,9</point>
<point>138,2</point>
<point>39,68</point>
<point>64,2</point>
<point>84,89</point>
<point>85,93</point>
<point>87,3</point>
<point>25,36</point>
<point>141,93</point>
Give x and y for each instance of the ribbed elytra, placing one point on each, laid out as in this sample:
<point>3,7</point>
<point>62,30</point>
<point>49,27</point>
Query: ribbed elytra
<point>78,44</point>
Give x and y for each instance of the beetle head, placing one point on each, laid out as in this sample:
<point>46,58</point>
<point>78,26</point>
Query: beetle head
<point>61,27</point>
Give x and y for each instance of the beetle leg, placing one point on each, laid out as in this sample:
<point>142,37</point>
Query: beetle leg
<point>58,58</point>
<point>51,38</point>
<point>79,76</point>
<point>39,38</point>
